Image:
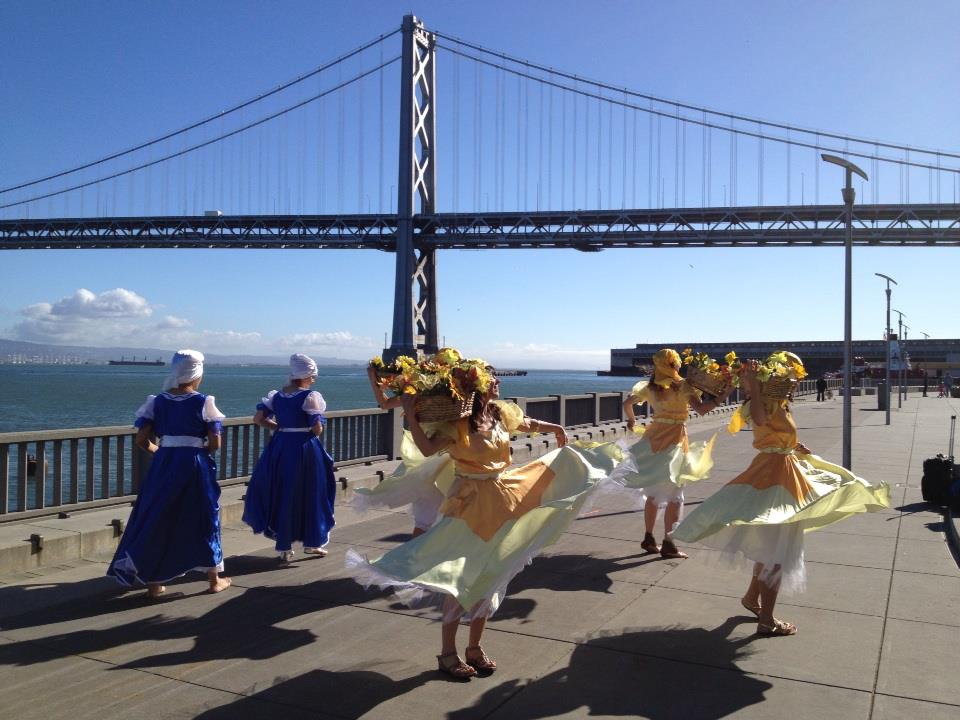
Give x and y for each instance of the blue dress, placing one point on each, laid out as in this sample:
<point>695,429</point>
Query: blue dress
<point>292,489</point>
<point>175,524</point>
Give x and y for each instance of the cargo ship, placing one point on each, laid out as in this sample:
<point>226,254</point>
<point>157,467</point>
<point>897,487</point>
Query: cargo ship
<point>134,361</point>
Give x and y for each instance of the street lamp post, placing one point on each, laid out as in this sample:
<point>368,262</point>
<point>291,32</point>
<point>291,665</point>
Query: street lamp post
<point>887,336</point>
<point>904,360</point>
<point>900,317</point>
<point>849,195</point>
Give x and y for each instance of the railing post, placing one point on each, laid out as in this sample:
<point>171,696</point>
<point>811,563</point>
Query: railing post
<point>562,411</point>
<point>596,408</point>
<point>393,433</point>
<point>520,402</point>
<point>4,478</point>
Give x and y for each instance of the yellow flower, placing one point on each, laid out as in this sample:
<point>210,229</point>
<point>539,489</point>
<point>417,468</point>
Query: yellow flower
<point>730,357</point>
<point>714,367</point>
<point>688,360</point>
<point>447,356</point>
<point>687,351</point>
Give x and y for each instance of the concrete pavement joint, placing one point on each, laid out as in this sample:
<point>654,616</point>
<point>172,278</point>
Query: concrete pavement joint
<point>893,568</point>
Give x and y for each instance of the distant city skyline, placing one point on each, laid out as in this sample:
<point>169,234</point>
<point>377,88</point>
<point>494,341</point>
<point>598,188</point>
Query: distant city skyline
<point>870,69</point>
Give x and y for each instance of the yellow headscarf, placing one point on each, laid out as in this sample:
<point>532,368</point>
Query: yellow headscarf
<point>666,364</point>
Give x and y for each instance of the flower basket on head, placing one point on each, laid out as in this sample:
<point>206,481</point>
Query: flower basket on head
<point>444,383</point>
<point>714,384</point>
<point>706,374</point>
<point>778,388</point>
<point>442,407</point>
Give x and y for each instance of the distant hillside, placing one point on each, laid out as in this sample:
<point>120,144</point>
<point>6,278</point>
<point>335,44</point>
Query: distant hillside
<point>102,354</point>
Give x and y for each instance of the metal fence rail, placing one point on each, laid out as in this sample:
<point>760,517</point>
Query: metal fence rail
<point>53,471</point>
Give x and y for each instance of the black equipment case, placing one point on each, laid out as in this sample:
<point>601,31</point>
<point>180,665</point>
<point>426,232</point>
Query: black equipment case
<point>938,483</point>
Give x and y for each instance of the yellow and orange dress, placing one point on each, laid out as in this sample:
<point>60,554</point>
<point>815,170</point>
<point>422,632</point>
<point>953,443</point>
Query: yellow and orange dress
<point>418,482</point>
<point>494,520</point>
<point>762,514</point>
<point>661,459</point>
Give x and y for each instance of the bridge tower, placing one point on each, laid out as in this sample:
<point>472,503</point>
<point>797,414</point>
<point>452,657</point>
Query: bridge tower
<point>415,318</point>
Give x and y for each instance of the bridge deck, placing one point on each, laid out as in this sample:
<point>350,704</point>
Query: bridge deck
<point>587,230</point>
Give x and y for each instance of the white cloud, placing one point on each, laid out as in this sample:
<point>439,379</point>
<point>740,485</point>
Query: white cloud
<point>547,355</point>
<point>83,317</point>
<point>121,317</point>
<point>116,303</point>
<point>335,339</point>
<point>170,322</point>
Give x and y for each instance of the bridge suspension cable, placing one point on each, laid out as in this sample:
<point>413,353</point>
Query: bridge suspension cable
<point>209,119</point>
<point>733,131</point>
<point>502,56</point>
<point>211,141</point>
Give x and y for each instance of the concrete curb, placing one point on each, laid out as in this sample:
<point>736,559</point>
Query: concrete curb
<point>951,519</point>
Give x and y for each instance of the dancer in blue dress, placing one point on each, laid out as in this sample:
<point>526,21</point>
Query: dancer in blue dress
<point>175,524</point>
<point>292,489</point>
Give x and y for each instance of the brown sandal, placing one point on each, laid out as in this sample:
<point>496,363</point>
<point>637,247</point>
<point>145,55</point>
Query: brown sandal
<point>649,544</point>
<point>778,629</point>
<point>482,663</point>
<point>669,550</point>
<point>451,664</point>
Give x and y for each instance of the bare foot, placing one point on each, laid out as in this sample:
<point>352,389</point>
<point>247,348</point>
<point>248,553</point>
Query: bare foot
<point>318,551</point>
<point>220,584</point>
<point>155,590</point>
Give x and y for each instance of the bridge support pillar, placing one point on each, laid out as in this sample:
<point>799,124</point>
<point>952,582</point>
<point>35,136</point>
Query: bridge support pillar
<point>415,328</point>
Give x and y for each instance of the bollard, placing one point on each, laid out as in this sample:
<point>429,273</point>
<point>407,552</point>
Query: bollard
<point>117,525</point>
<point>36,542</point>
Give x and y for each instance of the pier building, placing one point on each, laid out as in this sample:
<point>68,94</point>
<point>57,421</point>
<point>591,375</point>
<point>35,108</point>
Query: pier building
<point>932,355</point>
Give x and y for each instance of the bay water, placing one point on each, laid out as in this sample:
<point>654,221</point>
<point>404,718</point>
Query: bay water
<point>53,397</point>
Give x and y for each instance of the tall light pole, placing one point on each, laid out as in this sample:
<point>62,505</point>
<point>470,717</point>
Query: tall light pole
<point>887,336</point>
<point>900,318</point>
<point>904,360</point>
<point>849,195</point>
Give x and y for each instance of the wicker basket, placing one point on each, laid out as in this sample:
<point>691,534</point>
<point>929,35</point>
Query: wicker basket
<point>779,388</point>
<point>715,385</point>
<point>442,408</point>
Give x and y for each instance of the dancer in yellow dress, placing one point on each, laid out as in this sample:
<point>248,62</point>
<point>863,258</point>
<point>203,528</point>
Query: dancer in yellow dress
<point>763,513</point>
<point>494,520</point>
<point>663,460</point>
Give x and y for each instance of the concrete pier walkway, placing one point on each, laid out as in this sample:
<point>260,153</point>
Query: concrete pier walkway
<point>594,628</point>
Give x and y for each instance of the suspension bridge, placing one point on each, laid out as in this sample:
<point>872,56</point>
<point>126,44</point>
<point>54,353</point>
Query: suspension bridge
<point>534,157</point>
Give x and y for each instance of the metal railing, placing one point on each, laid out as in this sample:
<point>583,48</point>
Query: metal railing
<point>57,471</point>
<point>51,471</point>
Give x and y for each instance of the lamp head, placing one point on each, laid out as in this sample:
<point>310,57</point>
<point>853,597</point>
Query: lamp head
<point>886,277</point>
<point>845,164</point>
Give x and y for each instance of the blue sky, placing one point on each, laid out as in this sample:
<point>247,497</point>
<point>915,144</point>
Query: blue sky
<point>90,78</point>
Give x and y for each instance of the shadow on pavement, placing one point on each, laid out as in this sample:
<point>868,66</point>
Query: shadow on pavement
<point>215,632</point>
<point>619,676</point>
<point>345,694</point>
